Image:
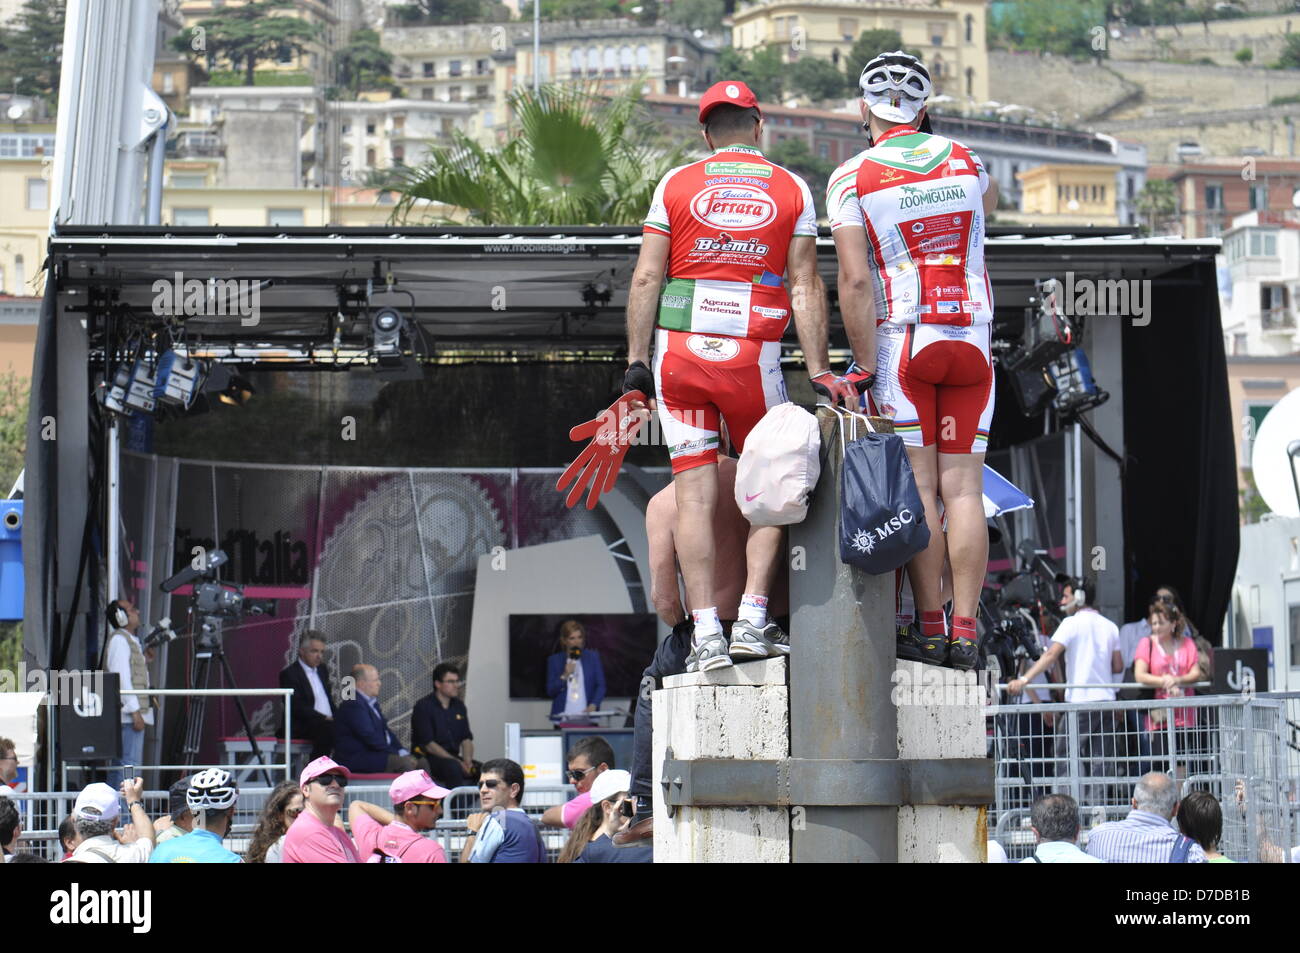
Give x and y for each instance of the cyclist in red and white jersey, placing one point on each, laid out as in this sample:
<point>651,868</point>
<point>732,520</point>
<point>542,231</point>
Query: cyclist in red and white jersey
<point>726,230</point>
<point>907,215</point>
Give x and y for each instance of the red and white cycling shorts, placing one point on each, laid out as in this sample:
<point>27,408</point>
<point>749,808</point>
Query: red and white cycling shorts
<point>702,380</point>
<point>936,382</point>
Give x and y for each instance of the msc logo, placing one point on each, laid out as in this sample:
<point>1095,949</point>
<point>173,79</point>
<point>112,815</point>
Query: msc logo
<point>739,207</point>
<point>864,540</point>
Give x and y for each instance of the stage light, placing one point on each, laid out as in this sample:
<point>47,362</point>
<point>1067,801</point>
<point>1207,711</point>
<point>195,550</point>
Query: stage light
<point>386,327</point>
<point>228,386</point>
<point>180,379</point>
<point>131,389</point>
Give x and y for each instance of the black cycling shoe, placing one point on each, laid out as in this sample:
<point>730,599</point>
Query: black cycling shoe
<point>912,646</point>
<point>963,653</point>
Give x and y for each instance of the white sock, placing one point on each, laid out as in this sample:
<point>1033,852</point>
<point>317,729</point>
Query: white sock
<point>753,609</point>
<point>706,623</point>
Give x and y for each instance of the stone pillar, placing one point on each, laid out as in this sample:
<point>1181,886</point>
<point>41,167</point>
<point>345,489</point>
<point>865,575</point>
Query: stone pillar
<point>740,712</point>
<point>940,715</point>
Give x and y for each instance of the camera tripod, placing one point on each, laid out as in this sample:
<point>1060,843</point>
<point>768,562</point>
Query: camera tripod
<point>208,646</point>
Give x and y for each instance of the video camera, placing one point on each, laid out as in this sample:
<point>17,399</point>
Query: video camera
<point>1011,613</point>
<point>211,600</point>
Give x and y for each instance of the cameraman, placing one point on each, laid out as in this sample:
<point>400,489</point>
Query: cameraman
<point>130,663</point>
<point>575,679</point>
<point>1090,643</point>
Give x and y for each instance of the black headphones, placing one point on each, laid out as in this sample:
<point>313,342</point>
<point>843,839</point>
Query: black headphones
<point>117,616</point>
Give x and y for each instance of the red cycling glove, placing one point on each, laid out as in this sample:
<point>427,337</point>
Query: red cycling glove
<point>596,468</point>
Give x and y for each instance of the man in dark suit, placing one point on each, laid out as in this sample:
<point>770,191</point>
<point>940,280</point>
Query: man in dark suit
<point>363,741</point>
<point>311,706</point>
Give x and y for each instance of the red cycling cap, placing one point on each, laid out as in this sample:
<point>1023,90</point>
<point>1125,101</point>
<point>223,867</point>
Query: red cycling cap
<point>728,92</point>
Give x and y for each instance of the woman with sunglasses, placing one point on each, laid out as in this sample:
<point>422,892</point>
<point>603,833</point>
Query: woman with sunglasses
<point>282,809</point>
<point>317,836</point>
<point>612,809</point>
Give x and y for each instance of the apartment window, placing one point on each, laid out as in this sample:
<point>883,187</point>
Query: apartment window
<point>938,34</point>
<point>399,124</point>
<point>643,57</point>
<point>848,29</point>
<point>1258,198</point>
<point>284,217</point>
<point>38,194</point>
<point>1263,244</point>
<point>824,150</point>
<point>1060,193</point>
<point>20,275</point>
<point>399,155</point>
<point>575,62</point>
<point>1257,412</point>
<point>169,83</point>
<point>625,61</point>
<point>446,127</point>
<point>1102,190</point>
<point>1238,344</point>
<point>453,94</point>
<point>286,55</point>
<point>482,67</point>
<point>426,93</point>
<point>370,158</point>
<point>453,68</point>
<point>428,69</point>
<point>1214,198</point>
<point>1132,187</point>
<point>610,60</point>
<point>347,128</point>
<point>481,92</point>
<point>970,28</point>
<point>370,127</point>
<point>1094,194</point>
<point>189,180</point>
<point>190,216</point>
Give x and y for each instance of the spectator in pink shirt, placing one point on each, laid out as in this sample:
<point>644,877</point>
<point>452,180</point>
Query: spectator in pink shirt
<point>588,759</point>
<point>396,837</point>
<point>317,835</point>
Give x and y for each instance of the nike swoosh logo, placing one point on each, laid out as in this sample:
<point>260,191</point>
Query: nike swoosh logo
<point>751,499</point>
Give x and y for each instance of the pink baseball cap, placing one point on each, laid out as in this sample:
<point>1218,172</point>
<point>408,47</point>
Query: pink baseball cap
<point>413,784</point>
<point>322,765</point>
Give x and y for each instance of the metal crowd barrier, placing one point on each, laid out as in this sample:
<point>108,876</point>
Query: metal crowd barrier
<point>1243,749</point>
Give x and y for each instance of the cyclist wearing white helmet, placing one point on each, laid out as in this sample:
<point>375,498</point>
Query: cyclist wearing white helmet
<point>211,798</point>
<point>907,215</point>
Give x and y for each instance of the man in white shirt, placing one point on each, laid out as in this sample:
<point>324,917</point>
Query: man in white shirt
<point>1055,821</point>
<point>311,706</point>
<point>95,814</point>
<point>1090,643</point>
<point>126,659</point>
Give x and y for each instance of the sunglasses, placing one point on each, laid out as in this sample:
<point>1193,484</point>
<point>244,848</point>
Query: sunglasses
<point>429,803</point>
<point>490,783</point>
<point>325,780</point>
<point>575,775</point>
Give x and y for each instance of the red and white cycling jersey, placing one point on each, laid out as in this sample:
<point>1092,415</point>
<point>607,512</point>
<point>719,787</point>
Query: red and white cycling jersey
<point>730,219</point>
<point>920,198</point>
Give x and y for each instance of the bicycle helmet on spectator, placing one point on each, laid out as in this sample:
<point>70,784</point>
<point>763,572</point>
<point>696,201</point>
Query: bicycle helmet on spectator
<point>895,86</point>
<point>212,789</point>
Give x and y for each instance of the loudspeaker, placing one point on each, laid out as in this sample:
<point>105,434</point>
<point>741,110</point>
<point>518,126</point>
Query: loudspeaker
<point>90,723</point>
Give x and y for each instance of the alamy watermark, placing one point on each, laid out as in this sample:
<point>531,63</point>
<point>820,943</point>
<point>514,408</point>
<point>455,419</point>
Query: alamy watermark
<point>179,296</point>
<point>1114,297</point>
<point>83,690</point>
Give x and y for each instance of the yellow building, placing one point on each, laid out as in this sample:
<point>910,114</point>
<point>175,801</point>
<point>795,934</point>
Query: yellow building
<point>26,164</point>
<point>1068,195</point>
<point>286,208</point>
<point>948,33</point>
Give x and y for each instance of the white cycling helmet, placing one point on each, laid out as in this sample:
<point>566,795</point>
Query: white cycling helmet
<point>212,789</point>
<point>895,86</point>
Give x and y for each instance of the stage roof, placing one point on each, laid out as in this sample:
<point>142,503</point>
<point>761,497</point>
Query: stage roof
<point>520,289</point>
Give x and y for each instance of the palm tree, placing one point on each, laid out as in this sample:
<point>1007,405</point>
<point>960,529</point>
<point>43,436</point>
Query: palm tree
<point>574,158</point>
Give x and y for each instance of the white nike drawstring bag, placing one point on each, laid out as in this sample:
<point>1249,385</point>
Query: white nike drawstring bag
<point>779,468</point>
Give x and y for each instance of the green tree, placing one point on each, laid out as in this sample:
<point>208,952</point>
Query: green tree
<point>576,10</point>
<point>1244,55</point>
<point>1049,26</point>
<point>31,49</point>
<point>761,70</point>
<point>14,392</point>
<point>1290,58</point>
<point>573,158</point>
<point>817,79</point>
<point>244,35</point>
<point>1156,203</point>
<point>869,45</point>
<point>795,156</point>
<point>451,11</point>
<point>362,57</point>
<point>697,14</point>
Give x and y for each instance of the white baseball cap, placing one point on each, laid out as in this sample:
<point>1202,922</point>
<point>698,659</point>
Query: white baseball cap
<point>609,783</point>
<point>97,802</point>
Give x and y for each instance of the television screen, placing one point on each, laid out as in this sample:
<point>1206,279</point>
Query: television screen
<point>625,643</point>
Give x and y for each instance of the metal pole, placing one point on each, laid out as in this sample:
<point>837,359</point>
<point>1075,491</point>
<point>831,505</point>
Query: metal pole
<point>537,44</point>
<point>111,517</point>
<point>157,152</point>
<point>841,670</point>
